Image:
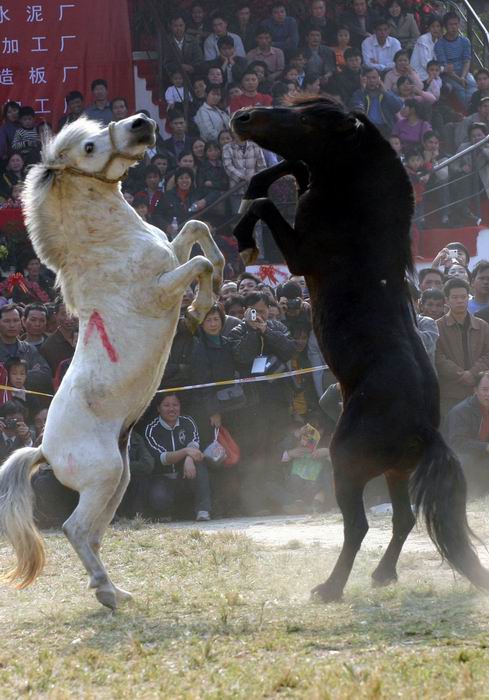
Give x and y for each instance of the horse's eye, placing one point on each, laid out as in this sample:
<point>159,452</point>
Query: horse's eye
<point>89,147</point>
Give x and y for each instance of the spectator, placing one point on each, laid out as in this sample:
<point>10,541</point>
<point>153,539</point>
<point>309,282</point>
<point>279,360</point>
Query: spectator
<point>430,278</point>
<point>210,119</point>
<point>419,176</point>
<point>152,192</point>
<point>197,27</point>
<point>463,346</point>
<point>454,53</point>
<point>241,161</point>
<point>175,93</point>
<point>341,45</point>
<point>199,85</point>
<point>179,466</point>
<point>220,29</point>
<point>452,252</point>
<point>476,183</point>
<point>224,137</point>
<point>424,48</point>
<point>346,83</point>
<point>263,428</point>
<point>162,162</point>
<point>11,346</point>
<point>402,25</point>
<point>480,287</point>
<point>379,105</point>
<point>13,175</point>
<point>250,96</point>
<point>407,90</point>
<point>247,282</point>
<point>198,152</point>
<point>482,81</point>
<point>283,29</point>
<point>100,109</point>
<point>480,117</point>
<point>402,68</point>
<point>75,105</point>
<point>27,138</point>
<point>264,51</point>
<point>211,174</point>
<point>213,361</point>
<point>181,46</point>
<point>16,378</point>
<point>228,289</point>
<point>320,58</point>
<point>183,202</point>
<point>215,77</point>
<point>61,344</point>
<point>10,124</point>
<point>235,306</point>
<point>468,434</point>
<point>265,85</point>
<point>34,321</point>
<point>36,274</point>
<point>460,271</point>
<point>119,108</point>
<point>360,20</point>
<point>231,65</point>
<point>243,26</point>
<point>411,127</point>
<point>179,141</point>
<point>432,304</point>
<point>379,50</point>
<point>14,432</point>
<point>318,19</point>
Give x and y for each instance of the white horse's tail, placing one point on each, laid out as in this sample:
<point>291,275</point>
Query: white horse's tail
<point>17,516</point>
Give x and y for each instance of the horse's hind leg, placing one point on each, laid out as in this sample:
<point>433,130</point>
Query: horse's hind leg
<point>94,499</point>
<point>350,500</point>
<point>402,523</point>
<point>105,518</point>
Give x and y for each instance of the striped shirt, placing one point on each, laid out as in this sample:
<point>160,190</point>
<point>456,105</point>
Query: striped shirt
<point>161,438</point>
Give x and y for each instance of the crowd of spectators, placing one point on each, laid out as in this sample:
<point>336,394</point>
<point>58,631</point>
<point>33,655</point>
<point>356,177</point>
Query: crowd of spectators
<point>410,73</point>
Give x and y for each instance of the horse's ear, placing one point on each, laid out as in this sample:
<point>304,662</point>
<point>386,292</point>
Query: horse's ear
<point>350,127</point>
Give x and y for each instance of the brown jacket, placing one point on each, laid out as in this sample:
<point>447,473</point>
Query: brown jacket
<point>449,360</point>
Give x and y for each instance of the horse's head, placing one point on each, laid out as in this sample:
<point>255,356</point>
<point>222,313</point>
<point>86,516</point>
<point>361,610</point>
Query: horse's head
<point>105,153</point>
<point>308,129</point>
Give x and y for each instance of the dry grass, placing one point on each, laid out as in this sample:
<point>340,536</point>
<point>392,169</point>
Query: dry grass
<point>218,616</point>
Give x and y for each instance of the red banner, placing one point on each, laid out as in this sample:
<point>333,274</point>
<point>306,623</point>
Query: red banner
<point>52,47</point>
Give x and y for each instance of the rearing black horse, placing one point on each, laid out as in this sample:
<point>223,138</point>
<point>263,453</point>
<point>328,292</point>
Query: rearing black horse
<point>351,241</point>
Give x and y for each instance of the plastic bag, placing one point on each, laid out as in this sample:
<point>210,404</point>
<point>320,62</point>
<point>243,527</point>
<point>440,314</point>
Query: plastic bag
<point>215,453</point>
<point>233,453</point>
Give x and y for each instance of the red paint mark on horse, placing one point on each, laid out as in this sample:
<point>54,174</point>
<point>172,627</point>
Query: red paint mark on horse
<point>96,321</point>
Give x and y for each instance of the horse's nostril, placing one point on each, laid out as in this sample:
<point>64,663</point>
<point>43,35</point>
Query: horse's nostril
<point>245,117</point>
<point>139,123</point>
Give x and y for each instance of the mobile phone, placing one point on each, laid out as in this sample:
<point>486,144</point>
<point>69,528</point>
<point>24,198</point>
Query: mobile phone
<point>253,315</point>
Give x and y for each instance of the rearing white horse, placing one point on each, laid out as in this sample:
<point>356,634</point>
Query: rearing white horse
<point>124,280</point>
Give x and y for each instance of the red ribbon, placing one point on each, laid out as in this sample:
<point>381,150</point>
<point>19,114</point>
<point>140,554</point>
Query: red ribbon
<point>16,280</point>
<point>96,321</point>
<point>269,272</point>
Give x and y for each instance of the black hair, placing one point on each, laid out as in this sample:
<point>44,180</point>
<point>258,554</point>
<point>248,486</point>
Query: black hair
<point>138,201</point>
<point>151,170</point>
<point>12,407</point>
<point>183,171</point>
<point>379,22</point>
<point>435,294</point>
<point>255,297</point>
<point>8,105</point>
<point>10,307</point>
<point>248,276</point>
<point>433,62</point>
<point>225,41</point>
<point>401,52</point>
<point>477,125</point>
<point>119,99</point>
<point>480,267</point>
<point>26,112</point>
<point>98,81</point>
<point>74,95</point>
<point>34,307</point>
<point>448,16</point>
<point>455,245</point>
<point>456,283</point>
<point>428,135</point>
<point>160,397</point>
<point>482,71</point>
<point>352,53</point>
<point>16,362</point>
<point>233,300</point>
<point>428,271</point>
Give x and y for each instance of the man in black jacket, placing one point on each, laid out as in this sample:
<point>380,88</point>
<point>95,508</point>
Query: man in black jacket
<point>468,435</point>
<point>262,346</point>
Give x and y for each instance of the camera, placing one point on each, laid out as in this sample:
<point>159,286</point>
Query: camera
<point>253,315</point>
<point>11,423</point>
<point>294,304</point>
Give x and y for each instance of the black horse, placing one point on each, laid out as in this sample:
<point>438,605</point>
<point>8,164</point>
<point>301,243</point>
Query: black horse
<point>351,240</point>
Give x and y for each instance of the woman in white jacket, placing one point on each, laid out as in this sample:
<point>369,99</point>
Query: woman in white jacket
<point>424,48</point>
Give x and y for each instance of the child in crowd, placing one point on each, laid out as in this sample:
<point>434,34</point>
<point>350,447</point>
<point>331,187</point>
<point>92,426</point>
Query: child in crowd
<point>176,92</point>
<point>433,83</point>
<point>140,204</point>
<point>27,140</point>
<point>342,43</point>
<point>16,377</point>
<point>419,175</point>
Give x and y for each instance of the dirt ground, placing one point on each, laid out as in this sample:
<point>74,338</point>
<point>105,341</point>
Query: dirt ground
<point>315,530</point>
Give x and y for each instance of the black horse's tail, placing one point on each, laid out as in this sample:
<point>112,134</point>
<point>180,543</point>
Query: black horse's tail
<point>439,490</point>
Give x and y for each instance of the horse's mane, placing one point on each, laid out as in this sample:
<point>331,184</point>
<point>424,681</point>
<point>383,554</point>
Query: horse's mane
<point>308,99</point>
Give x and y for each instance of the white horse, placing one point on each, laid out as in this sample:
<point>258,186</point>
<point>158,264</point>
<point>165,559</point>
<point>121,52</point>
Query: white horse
<point>124,280</point>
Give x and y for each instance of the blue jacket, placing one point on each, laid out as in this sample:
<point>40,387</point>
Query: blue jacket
<point>390,104</point>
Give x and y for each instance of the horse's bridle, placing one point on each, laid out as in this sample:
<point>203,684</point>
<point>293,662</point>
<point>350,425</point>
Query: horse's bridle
<point>116,153</point>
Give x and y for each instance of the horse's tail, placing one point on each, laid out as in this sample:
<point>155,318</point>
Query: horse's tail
<point>17,517</point>
<point>439,490</point>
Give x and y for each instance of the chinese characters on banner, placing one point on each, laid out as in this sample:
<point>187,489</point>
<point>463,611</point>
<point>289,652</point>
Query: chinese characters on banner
<point>52,47</point>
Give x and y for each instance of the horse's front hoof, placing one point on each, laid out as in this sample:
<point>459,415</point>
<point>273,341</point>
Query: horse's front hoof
<point>245,205</point>
<point>122,596</point>
<point>194,319</point>
<point>249,256</point>
<point>326,593</point>
<point>108,597</point>
<point>380,579</point>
